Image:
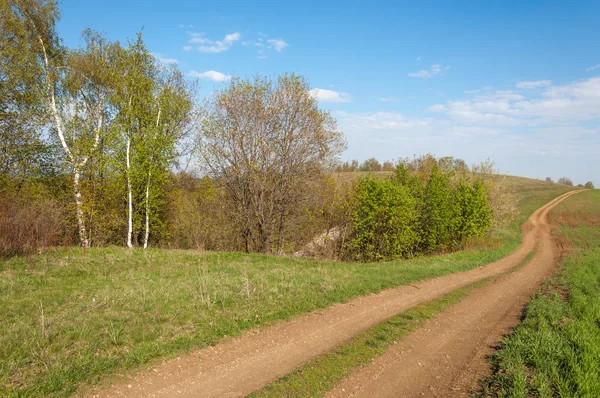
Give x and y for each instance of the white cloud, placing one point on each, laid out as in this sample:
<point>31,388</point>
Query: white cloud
<point>323,95</point>
<point>211,75</point>
<point>591,68</point>
<point>165,61</point>
<point>187,48</point>
<point>388,99</point>
<point>277,44</point>
<point>435,70</point>
<point>551,131</point>
<point>206,45</point>
<point>534,84</point>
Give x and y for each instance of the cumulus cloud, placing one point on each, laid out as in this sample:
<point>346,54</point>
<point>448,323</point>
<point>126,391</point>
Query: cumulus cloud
<point>534,84</point>
<point>211,75</point>
<point>206,45</point>
<point>264,43</point>
<point>435,70</point>
<point>591,68</point>
<point>550,130</point>
<point>323,95</point>
<point>165,61</point>
<point>277,44</point>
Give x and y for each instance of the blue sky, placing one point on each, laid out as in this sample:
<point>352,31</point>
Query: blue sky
<point>516,82</point>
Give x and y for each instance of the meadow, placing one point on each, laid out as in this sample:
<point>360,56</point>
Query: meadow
<point>72,316</point>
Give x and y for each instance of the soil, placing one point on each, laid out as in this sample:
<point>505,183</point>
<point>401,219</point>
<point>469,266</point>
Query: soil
<point>442,358</point>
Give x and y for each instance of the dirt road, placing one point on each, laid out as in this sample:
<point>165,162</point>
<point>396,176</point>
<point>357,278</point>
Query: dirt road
<point>242,365</point>
<point>447,355</point>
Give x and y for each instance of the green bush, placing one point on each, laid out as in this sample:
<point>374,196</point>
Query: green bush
<point>421,209</point>
<point>474,214</point>
<point>437,221</point>
<point>383,219</point>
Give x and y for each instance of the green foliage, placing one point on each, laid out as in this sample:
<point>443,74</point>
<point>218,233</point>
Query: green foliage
<point>383,219</point>
<point>474,216</point>
<point>436,218</point>
<point>589,185</point>
<point>422,208</point>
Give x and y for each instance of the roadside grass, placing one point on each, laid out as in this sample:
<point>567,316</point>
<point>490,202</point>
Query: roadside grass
<point>555,351</point>
<point>70,317</point>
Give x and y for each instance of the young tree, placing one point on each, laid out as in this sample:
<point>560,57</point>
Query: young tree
<point>565,181</point>
<point>133,99</point>
<point>371,164</point>
<point>589,185</point>
<point>263,139</point>
<point>175,120</point>
<point>549,179</point>
<point>154,111</point>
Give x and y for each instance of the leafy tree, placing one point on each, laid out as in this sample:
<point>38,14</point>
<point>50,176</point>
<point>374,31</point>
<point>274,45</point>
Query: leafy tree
<point>22,112</point>
<point>371,164</point>
<point>549,179</point>
<point>74,85</point>
<point>388,166</point>
<point>263,139</point>
<point>154,111</point>
<point>589,185</point>
<point>565,181</point>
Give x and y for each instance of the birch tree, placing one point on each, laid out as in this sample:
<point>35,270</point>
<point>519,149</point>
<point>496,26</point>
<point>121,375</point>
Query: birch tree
<point>77,83</point>
<point>154,106</point>
<point>175,117</point>
<point>133,99</point>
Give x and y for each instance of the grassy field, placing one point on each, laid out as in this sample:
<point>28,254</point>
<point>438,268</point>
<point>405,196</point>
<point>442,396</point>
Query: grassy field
<point>70,317</point>
<point>555,351</point>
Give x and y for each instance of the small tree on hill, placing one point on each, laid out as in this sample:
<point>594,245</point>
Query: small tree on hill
<point>589,185</point>
<point>548,179</point>
<point>565,181</point>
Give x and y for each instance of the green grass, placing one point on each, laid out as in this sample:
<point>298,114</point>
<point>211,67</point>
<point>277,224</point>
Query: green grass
<point>71,317</point>
<point>555,351</point>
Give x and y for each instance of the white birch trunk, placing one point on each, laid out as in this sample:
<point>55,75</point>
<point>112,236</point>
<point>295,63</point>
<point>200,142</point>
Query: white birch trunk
<point>147,234</point>
<point>83,240</point>
<point>129,198</point>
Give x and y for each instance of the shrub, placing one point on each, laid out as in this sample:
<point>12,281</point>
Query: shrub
<point>474,216</point>
<point>589,185</point>
<point>383,219</point>
<point>436,221</point>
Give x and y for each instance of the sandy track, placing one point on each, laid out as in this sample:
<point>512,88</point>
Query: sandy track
<point>244,364</point>
<point>447,355</point>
